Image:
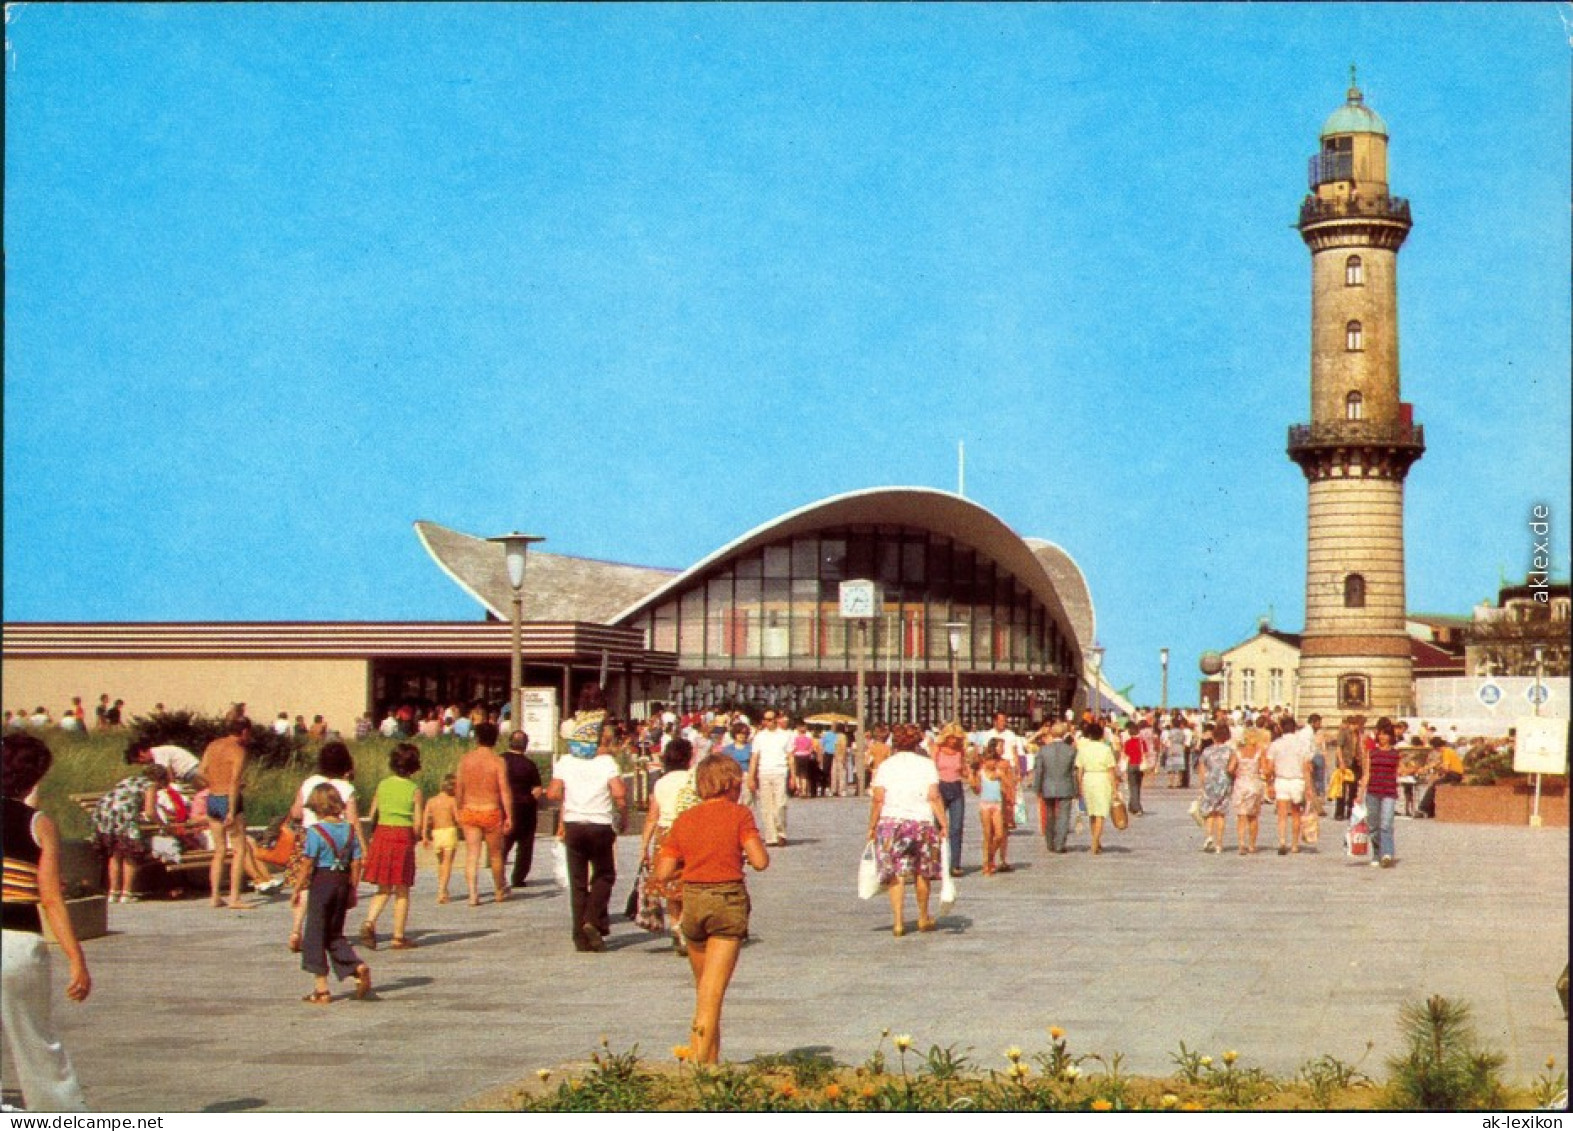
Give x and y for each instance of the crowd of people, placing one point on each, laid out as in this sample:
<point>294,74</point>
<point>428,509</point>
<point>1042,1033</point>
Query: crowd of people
<point>720,791</point>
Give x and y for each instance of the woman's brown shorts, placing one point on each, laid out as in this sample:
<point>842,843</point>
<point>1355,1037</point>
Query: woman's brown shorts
<point>715,911</point>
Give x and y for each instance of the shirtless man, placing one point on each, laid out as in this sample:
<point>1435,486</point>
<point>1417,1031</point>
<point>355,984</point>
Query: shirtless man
<point>485,809</point>
<point>222,767</point>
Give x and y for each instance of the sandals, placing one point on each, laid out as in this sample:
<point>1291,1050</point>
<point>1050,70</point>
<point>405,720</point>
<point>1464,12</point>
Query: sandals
<point>362,982</point>
<point>368,936</point>
<point>402,943</point>
<point>317,997</point>
<point>927,925</point>
<point>899,929</point>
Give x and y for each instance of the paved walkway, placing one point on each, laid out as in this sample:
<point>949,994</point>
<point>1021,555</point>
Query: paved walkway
<point>1134,951</point>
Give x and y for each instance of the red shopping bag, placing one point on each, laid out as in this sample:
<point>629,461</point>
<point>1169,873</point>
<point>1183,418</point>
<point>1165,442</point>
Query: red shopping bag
<point>1357,841</point>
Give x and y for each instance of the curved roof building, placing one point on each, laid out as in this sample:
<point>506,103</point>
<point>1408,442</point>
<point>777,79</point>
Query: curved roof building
<point>759,620</point>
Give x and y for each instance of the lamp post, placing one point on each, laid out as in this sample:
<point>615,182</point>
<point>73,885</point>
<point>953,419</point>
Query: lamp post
<point>515,548</point>
<point>1097,679</point>
<point>953,630</point>
<point>1163,658</point>
<point>1540,656</point>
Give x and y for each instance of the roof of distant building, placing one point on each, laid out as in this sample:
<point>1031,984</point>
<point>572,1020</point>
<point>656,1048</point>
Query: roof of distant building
<point>556,587</point>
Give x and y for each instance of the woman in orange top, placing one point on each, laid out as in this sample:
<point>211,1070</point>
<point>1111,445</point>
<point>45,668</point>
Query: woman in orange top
<point>710,841</point>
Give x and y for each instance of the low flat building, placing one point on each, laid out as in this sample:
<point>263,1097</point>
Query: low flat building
<point>959,601</point>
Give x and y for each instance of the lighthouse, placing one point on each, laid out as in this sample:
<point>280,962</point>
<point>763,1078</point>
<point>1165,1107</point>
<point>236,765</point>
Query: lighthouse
<point>1362,438</point>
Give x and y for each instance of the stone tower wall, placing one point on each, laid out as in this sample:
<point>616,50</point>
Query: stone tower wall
<point>1335,369</point>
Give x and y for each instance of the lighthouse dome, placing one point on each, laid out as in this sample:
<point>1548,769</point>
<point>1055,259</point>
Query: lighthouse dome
<point>1354,117</point>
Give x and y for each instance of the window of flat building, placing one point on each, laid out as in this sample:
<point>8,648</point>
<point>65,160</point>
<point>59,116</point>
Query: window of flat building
<point>1354,407</point>
<point>1354,337</point>
<point>1354,591</point>
<point>1275,685</point>
<point>1354,272</point>
<point>1248,686</point>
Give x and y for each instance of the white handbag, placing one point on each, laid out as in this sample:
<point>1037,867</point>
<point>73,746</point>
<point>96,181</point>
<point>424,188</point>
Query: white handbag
<point>868,873</point>
<point>560,863</point>
<point>947,883</point>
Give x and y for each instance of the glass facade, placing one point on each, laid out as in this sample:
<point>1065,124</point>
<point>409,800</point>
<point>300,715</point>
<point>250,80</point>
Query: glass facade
<point>777,608</point>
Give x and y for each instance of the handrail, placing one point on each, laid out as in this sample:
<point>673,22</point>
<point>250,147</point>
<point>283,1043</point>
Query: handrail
<point>1314,208</point>
<point>1354,432</point>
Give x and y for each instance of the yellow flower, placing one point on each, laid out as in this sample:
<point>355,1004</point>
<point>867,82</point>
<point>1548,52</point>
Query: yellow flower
<point>1102,1105</point>
<point>682,1052</point>
<point>1071,1072</point>
<point>1551,1062</point>
<point>832,1092</point>
<point>1020,1071</point>
<point>1230,1056</point>
<point>544,1073</point>
<point>1190,1105</point>
<point>1013,1054</point>
<point>1170,1099</point>
<point>1206,1062</point>
<point>786,1089</point>
<point>1056,1033</point>
<point>903,1041</point>
<point>868,1091</point>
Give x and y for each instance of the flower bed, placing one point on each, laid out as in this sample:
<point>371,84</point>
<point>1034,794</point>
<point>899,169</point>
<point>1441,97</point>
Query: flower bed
<point>1503,802</point>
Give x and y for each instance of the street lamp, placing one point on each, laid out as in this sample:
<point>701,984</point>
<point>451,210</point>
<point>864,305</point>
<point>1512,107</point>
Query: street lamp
<point>1097,679</point>
<point>953,630</point>
<point>515,548</point>
<point>1539,669</point>
<point>1163,658</point>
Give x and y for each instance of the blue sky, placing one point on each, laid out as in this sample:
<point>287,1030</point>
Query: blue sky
<point>282,279</point>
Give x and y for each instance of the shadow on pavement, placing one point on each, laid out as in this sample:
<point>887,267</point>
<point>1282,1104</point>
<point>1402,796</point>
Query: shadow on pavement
<point>440,938</point>
<point>247,1104</point>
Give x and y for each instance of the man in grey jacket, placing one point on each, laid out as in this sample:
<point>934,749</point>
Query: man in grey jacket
<point>1054,780</point>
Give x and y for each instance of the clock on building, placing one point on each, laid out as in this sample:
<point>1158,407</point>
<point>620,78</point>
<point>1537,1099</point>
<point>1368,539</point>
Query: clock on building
<point>859,600</point>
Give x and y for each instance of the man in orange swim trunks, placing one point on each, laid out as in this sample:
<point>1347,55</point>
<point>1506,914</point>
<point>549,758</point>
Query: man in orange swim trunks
<point>485,809</point>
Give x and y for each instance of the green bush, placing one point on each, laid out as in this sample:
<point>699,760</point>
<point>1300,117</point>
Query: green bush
<point>1486,765</point>
<point>1444,1068</point>
<point>268,748</point>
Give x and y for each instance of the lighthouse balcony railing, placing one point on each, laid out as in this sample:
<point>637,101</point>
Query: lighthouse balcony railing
<point>1356,433</point>
<point>1314,209</point>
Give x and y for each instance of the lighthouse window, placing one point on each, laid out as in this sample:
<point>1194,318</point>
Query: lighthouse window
<point>1354,591</point>
<point>1354,337</point>
<point>1354,272</point>
<point>1354,407</point>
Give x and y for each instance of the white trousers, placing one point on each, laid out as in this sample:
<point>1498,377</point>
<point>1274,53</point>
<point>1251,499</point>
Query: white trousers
<point>27,1021</point>
<point>772,807</point>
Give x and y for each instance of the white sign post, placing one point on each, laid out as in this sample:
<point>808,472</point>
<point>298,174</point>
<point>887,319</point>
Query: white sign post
<point>860,601</point>
<point>1540,747</point>
<point>540,718</point>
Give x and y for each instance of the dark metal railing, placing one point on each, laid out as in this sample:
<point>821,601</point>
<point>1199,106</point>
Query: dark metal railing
<point>1314,208</point>
<point>1342,433</point>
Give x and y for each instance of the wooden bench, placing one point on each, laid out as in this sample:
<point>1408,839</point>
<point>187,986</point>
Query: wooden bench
<point>191,859</point>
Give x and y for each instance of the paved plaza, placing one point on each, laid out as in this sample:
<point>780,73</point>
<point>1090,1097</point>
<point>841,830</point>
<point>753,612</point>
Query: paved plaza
<point>1134,951</point>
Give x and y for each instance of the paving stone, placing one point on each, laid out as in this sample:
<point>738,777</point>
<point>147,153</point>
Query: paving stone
<point>1282,958</point>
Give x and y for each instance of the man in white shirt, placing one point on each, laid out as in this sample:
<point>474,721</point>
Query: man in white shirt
<point>180,762</point>
<point>1291,765</point>
<point>768,771</point>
